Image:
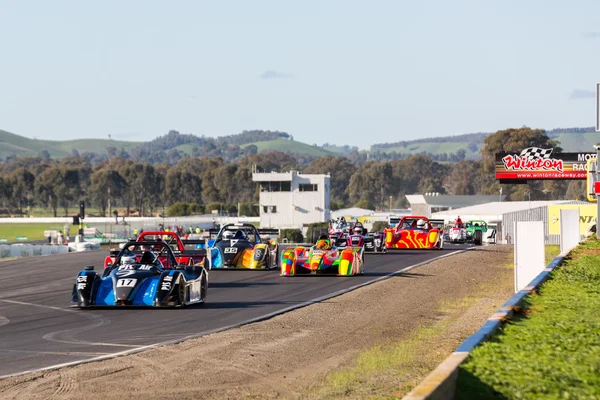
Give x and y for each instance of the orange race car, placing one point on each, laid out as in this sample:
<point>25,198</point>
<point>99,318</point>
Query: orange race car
<point>414,232</point>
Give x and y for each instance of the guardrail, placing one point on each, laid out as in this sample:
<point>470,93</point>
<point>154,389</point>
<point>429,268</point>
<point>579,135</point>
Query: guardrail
<point>440,384</point>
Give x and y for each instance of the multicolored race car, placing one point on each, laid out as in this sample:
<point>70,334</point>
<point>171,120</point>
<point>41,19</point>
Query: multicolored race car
<point>240,246</point>
<point>414,232</point>
<point>322,259</point>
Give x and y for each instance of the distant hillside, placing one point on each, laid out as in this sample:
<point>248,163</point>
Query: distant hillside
<point>571,140</point>
<point>289,146</point>
<point>168,148</point>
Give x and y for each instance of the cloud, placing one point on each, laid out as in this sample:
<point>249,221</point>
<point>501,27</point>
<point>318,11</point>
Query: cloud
<point>591,35</point>
<point>577,94</point>
<point>271,74</point>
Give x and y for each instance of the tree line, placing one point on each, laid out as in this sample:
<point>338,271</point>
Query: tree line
<point>201,183</point>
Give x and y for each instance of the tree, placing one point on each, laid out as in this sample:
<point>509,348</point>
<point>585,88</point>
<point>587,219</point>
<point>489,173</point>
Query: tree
<point>512,140</point>
<point>462,179</point>
<point>372,182</point>
<point>101,180</point>
<point>341,170</point>
<point>364,204</point>
<point>576,190</point>
<point>21,182</point>
<point>5,190</point>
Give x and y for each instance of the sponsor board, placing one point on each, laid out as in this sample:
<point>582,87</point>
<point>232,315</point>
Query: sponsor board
<point>534,163</point>
<point>587,215</point>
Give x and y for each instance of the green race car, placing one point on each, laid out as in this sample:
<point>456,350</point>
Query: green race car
<point>475,230</point>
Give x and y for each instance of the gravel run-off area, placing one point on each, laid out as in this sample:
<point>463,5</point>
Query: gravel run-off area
<point>315,352</point>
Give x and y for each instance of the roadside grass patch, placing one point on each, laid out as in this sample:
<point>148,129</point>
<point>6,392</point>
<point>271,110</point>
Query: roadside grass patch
<point>552,349</point>
<point>378,373</point>
<point>31,231</point>
<point>552,251</point>
<point>390,371</point>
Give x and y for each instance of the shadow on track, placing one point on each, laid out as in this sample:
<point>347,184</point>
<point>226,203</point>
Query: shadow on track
<point>247,304</point>
<point>401,274</point>
<point>239,284</point>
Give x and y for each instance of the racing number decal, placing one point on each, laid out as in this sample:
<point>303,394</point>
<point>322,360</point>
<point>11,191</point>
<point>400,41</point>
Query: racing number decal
<point>126,282</point>
<point>166,283</point>
<point>81,282</point>
<point>230,250</point>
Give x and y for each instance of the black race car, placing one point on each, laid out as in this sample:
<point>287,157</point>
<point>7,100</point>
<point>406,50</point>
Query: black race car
<point>373,242</point>
<point>240,246</point>
<point>145,273</point>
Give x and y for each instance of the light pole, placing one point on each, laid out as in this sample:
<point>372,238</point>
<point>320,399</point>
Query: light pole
<point>597,147</point>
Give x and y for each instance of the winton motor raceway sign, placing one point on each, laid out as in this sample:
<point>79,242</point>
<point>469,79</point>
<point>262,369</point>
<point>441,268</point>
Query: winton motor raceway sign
<point>534,163</point>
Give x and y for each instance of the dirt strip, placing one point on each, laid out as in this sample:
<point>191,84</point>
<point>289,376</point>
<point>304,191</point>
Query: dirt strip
<point>289,355</point>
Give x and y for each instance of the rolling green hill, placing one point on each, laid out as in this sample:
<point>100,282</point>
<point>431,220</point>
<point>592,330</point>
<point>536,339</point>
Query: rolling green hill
<point>473,143</point>
<point>90,145</point>
<point>291,146</point>
<point>11,144</point>
<point>571,140</point>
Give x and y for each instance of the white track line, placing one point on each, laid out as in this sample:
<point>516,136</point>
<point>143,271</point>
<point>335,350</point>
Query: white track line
<point>99,321</point>
<point>249,321</point>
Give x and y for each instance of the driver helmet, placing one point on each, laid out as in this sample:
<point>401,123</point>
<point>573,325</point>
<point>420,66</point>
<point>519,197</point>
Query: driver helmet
<point>228,235</point>
<point>358,230</point>
<point>421,223</point>
<point>128,258</point>
<point>323,244</point>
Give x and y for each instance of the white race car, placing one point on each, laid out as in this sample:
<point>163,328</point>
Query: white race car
<point>457,235</point>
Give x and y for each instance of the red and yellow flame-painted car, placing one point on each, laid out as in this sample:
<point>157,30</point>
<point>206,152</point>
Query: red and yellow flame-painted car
<point>407,235</point>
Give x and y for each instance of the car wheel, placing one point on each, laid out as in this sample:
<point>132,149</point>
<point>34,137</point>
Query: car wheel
<point>181,293</point>
<point>204,289</point>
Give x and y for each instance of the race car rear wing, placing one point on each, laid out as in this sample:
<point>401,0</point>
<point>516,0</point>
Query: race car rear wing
<point>270,232</point>
<point>437,223</point>
<point>191,245</point>
<point>434,222</point>
<point>393,221</point>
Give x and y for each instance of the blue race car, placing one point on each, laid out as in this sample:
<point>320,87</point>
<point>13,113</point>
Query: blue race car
<point>144,274</point>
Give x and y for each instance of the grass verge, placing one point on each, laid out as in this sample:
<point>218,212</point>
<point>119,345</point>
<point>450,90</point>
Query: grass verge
<point>552,250</point>
<point>31,231</point>
<point>551,350</point>
<point>391,370</point>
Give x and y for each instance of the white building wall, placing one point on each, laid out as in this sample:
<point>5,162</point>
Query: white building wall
<point>295,207</point>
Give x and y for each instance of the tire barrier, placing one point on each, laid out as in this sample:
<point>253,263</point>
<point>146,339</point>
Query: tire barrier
<point>29,250</point>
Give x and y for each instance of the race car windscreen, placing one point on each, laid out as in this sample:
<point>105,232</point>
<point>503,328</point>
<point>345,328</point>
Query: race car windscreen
<point>240,233</point>
<point>154,253</point>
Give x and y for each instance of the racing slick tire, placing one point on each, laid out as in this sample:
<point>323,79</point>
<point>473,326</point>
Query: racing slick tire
<point>478,238</point>
<point>204,290</point>
<point>181,294</point>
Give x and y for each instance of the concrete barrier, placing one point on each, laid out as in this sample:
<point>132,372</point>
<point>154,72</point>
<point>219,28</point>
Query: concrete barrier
<point>441,383</point>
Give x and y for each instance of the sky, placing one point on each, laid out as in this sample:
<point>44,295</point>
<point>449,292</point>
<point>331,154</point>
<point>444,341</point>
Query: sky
<point>341,72</point>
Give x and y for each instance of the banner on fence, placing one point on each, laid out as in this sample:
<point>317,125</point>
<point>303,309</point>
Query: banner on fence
<point>529,252</point>
<point>587,215</point>
<point>569,229</point>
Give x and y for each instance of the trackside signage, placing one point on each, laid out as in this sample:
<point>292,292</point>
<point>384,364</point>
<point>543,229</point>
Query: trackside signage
<point>535,163</point>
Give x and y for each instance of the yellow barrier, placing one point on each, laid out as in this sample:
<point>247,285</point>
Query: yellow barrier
<point>589,182</point>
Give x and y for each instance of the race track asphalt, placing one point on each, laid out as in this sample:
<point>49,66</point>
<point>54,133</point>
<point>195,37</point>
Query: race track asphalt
<point>38,327</point>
